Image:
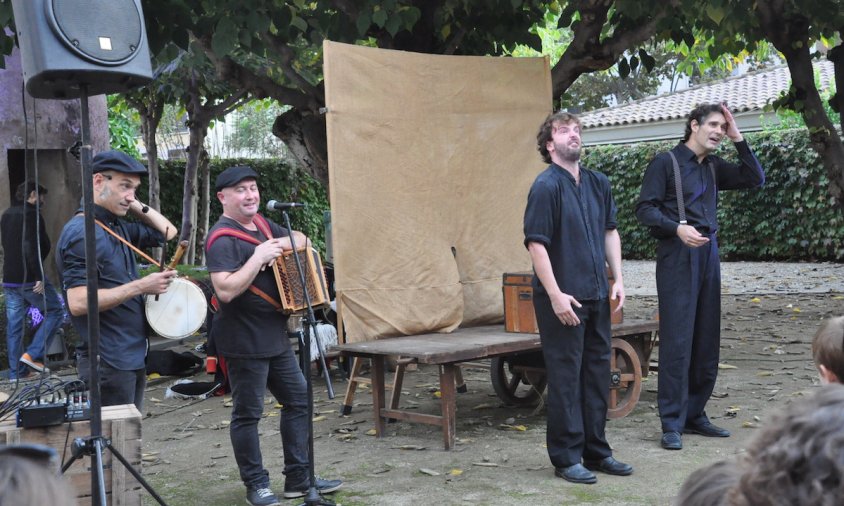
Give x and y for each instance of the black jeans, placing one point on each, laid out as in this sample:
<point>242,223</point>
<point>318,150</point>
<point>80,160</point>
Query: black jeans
<point>249,379</point>
<point>116,386</point>
<point>577,363</point>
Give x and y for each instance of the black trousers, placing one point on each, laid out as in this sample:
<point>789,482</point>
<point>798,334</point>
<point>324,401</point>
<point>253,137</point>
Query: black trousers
<point>577,363</point>
<point>688,283</point>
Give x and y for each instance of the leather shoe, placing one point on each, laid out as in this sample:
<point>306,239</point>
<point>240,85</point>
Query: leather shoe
<point>672,441</point>
<point>575,474</point>
<point>610,466</point>
<point>706,429</point>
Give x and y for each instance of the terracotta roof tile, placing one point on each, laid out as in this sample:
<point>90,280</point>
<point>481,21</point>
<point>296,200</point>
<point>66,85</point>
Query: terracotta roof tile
<point>748,92</point>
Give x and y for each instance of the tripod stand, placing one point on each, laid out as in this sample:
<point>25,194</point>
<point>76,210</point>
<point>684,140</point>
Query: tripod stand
<point>94,444</point>
<point>308,323</point>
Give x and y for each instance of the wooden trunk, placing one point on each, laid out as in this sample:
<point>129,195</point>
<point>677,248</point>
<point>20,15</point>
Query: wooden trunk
<point>519,315</point>
<point>120,424</point>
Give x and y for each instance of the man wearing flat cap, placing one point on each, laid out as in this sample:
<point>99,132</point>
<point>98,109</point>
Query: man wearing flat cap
<point>123,339</point>
<point>249,332</point>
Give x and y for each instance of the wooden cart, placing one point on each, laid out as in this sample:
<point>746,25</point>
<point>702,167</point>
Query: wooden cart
<point>519,379</point>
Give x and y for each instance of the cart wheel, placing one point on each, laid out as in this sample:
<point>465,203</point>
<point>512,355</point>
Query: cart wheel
<point>514,385</point>
<point>625,379</point>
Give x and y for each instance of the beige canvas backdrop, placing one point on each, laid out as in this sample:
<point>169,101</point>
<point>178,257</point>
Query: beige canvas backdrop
<point>430,161</point>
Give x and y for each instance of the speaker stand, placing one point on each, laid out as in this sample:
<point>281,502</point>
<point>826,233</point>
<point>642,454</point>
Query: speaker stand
<point>95,443</point>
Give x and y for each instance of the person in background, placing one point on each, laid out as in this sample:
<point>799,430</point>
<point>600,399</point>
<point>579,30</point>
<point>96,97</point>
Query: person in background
<point>25,246</point>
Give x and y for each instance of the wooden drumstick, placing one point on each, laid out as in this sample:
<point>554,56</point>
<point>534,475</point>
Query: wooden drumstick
<point>180,252</point>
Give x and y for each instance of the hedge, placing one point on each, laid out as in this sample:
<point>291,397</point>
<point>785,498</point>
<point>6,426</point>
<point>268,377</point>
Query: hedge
<point>792,217</point>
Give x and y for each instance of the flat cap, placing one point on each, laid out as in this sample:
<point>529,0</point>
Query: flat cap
<point>119,161</point>
<point>234,175</point>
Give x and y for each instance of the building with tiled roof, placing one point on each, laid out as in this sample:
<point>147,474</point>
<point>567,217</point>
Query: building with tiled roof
<point>664,116</point>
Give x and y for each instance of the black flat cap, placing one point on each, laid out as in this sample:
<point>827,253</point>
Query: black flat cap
<point>119,161</point>
<point>234,175</point>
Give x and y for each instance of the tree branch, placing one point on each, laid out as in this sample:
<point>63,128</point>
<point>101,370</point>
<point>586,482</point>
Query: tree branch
<point>587,53</point>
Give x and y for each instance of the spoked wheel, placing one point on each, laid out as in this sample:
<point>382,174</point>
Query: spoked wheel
<point>516,384</point>
<point>625,379</point>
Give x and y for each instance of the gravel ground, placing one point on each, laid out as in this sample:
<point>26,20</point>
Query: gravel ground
<point>750,277</point>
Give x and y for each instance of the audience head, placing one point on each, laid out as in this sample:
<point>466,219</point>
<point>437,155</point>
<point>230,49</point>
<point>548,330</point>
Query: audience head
<point>28,477</point>
<point>798,458</point>
<point>828,350</point>
<point>709,485</point>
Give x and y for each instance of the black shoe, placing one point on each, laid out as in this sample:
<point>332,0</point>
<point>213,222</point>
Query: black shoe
<point>610,466</point>
<point>575,474</point>
<point>706,429</point>
<point>300,489</point>
<point>672,441</point>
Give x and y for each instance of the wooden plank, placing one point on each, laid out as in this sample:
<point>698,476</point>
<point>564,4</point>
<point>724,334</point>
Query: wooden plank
<point>399,414</point>
<point>378,394</point>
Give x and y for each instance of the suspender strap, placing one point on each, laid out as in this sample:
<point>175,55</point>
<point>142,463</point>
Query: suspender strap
<point>678,186</point>
<point>678,189</point>
<point>127,243</point>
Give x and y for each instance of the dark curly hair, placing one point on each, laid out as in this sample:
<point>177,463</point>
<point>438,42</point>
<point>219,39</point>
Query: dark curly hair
<point>798,458</point>
<point>699,114</point>
<point>547,128</point>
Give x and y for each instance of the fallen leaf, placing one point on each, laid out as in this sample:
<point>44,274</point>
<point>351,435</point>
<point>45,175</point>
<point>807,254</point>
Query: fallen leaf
<point>371,432</point>
<point>485,464</point>
<point>518,428</point>
<point>455,472</point>
<point>726,366</point>
<point>320,418</point>
<point>438,394</point>
<point>756,300</point>
<point>429,472</point>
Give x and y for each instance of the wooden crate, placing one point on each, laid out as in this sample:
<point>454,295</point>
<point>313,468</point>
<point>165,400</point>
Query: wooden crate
<point>120,424</point>
<point>519,315</point>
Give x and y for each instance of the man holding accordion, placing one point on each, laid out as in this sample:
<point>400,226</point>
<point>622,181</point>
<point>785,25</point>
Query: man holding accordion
<point>250,333</point>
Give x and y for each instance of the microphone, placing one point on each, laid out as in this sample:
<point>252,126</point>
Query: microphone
<point>283,206</point>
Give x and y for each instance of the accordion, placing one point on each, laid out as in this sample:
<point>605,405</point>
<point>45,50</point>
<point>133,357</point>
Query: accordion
<point>289,282</point>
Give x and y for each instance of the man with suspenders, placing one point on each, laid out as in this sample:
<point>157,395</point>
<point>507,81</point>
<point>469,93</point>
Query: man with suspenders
<point>678,202</point>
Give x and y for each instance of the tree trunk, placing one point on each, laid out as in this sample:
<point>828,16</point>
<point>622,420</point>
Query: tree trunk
<point>304,134</point>
<point>792,40</point>
<point>204,209</point>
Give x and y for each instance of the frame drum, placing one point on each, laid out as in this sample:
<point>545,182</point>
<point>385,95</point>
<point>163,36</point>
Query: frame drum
<point>179,312</point>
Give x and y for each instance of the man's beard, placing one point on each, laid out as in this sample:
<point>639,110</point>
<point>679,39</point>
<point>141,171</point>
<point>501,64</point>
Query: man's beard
<point>566,153</point>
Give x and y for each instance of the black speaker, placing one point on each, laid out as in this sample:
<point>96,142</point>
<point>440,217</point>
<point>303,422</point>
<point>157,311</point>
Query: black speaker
<point>68,43</point>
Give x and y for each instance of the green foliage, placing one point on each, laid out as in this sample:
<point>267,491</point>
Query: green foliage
<point>792,217</point>
<point>123,126</point>
<point>279,180</point>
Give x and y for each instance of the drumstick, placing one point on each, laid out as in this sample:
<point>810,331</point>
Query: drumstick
<point>163,255</point>
<point>180,252</point>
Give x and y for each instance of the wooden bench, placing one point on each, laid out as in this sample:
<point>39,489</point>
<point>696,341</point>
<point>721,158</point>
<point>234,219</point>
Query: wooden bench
<point>447,351</point>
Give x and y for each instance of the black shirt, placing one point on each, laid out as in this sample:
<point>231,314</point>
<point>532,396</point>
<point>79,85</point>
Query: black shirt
<point>248,326</point>
<point>571,221</point>
<point>123,338</point>
<point>657,206</point>
<point>19,227</point>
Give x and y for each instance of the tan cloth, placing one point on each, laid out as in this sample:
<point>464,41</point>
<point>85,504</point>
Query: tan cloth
<point>430,161</point>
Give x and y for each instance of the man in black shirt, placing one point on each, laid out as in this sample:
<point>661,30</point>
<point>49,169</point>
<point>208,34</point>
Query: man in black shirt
<point>250,333</point>
<point>688,270</point>
<point>25,246</point>
<point>570,232</point>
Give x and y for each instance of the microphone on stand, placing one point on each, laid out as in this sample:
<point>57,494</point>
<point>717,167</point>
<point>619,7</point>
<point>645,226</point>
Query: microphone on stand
<point>283,206</point>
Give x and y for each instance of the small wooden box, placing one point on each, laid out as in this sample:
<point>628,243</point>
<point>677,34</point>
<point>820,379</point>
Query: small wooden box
<point>120,424</point>
<point>519,315</point>
<point>518,303</point>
